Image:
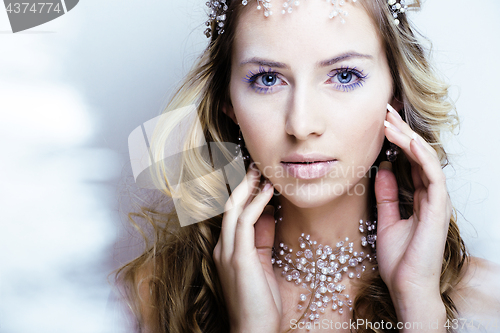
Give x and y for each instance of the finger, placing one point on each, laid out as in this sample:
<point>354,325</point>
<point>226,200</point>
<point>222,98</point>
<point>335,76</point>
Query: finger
<point>233,208</point>
<point>420,175</point>
<point>386,193</point>
<point>244,240</point>
<point>432,203</point>
<point>264,240</point>
<point>430,164</point>
<point>256,189</point>
<point>400,139</point>
<point>403,140</point>
<point>264,231</point>
<point>419,194</point>
<point>394,118</point>
<point>244,190</point>
<point>426,167</point>
<point>416,172</point>
<point>437,192</point>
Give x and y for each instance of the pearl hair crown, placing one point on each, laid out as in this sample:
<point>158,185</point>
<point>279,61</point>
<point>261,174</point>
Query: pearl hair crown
<point>217,10</point>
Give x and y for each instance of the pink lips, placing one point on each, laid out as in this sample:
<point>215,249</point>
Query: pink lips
<point>317,165</point>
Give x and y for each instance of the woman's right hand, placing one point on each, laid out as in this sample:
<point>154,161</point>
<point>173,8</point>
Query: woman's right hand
<point>242,256</point>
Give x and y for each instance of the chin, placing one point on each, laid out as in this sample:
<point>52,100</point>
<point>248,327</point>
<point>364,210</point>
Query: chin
<point>309,195</point>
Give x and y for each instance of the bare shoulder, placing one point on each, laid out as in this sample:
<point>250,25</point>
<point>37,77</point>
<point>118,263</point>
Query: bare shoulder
<point>477,296</point>
<point>143,278</point>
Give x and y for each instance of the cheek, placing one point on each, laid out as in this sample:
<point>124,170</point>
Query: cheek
<point>363,130</point>
<point>257,115</point>
<point>256,121</point>
<point>249,117</point>
<point>369,109</point>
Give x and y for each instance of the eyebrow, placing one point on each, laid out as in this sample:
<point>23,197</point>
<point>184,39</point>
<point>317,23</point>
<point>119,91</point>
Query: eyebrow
<point>325,63</point>
<point>348,55</point>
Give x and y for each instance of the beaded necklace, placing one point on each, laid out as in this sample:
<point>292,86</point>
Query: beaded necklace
<point>319,269</point>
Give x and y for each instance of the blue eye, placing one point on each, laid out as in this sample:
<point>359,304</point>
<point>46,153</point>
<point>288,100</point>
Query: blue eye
<point>346,79</point>
<point>269,79</point>
<point>263,81</point>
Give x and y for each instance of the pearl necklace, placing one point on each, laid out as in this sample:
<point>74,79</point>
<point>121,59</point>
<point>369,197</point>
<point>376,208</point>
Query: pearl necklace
<point>319,269</point>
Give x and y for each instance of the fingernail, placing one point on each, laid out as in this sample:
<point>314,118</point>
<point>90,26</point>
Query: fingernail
<point>393,111</point>
<point>267,186</point>
<point>386,165</point>
<point>416,138</point>
<point>269,209</point>
<point>391,126</point>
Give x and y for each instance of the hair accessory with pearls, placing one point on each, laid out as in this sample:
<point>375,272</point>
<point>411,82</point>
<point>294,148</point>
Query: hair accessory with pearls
<point>397,7</point>
<point>218,9</point>
<point>288,5</point>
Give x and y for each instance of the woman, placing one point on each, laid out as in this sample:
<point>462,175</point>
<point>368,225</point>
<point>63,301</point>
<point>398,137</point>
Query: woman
<point>320,99</point>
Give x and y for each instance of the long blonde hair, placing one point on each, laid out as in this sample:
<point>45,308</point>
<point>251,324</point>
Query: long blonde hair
<point>186,295</point>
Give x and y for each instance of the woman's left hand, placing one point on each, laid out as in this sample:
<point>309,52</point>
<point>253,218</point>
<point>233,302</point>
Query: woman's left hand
<point>410,251</point>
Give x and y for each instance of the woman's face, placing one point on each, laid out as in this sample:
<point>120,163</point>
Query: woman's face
<point>303,85</point>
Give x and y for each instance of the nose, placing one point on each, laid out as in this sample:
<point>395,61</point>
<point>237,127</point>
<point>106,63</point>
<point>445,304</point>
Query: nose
<point>304,117</point>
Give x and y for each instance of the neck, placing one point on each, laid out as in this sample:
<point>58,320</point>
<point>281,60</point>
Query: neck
<point>327,224</point>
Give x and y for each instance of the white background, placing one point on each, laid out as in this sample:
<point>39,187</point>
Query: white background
<point>73,89</point>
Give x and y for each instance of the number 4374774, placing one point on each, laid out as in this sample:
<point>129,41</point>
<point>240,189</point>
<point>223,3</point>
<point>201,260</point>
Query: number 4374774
<point>35,8</point>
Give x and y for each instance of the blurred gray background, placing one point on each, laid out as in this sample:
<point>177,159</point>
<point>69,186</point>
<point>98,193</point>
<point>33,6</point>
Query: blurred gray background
<point>72,90</point>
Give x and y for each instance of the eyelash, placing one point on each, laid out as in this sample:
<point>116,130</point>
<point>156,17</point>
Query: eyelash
<point>251,79</point>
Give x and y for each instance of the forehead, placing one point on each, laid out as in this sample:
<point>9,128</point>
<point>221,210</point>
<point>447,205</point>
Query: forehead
<point>307,33</point>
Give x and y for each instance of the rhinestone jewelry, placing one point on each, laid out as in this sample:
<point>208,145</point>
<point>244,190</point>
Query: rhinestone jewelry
<point>392,152</point>
<point>217,10</point>
<point>320,269</point>
<point>288,5</point>
<point>240,146</point>
<point>397,7</point>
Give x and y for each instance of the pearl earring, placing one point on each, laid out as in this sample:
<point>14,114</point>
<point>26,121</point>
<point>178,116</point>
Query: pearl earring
<point>392,153</point>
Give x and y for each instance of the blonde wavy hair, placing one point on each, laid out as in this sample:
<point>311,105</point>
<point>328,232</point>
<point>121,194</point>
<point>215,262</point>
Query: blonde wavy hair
<point>176,271</point>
